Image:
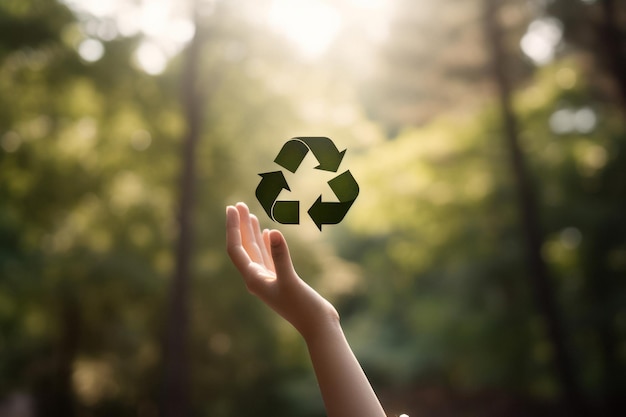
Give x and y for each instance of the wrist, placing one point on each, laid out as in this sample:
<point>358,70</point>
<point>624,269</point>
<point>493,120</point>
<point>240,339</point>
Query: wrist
<point>325,327</point>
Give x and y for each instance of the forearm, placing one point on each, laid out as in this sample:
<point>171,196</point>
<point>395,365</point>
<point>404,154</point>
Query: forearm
<point>345,388</point>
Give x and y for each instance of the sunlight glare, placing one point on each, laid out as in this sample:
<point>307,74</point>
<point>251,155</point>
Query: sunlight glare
<point>128,20</point>
<point>562,121</point>
<point>568,120</point>
<point>98,8</point>
<point>310,24</point>
<point>541,40</point>
<point>585,120</point>
<point>91,50</point>
<point>164,24</point>
<point>151,58</point>
<point>182,30</point>
<point>154,17</point>
<point>369,4</point>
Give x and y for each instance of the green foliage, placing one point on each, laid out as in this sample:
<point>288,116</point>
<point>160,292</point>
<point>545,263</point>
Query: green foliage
<point>447,294</point>
<point>428,268</point>
<point>88,164</point>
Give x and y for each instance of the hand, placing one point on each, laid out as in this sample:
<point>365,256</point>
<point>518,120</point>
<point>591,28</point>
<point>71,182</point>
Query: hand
<point>264,262</point>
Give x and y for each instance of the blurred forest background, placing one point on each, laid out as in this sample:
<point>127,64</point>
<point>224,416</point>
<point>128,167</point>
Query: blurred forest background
<point>480,272</point>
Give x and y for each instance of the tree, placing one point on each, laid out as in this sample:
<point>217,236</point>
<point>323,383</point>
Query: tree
<point>596,29</point>
<point>434,61</point>
<point>539,277</point>
<point>176,398</point>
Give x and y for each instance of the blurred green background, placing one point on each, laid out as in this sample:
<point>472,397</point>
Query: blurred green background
<point>480,272</point>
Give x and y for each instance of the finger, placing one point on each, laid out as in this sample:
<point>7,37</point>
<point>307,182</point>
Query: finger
<point>266,242</point>
<point>253,274</point>
<point>256,228</point>
<point>247,234</point>
<point>234,246</point>
<point>280,255</point>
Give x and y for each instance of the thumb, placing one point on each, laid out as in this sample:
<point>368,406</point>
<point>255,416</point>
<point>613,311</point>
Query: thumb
<point>280,255</point>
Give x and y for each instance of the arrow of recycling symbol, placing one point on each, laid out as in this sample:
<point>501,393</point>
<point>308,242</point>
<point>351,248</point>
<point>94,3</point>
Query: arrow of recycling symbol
<point>284,212</point>
<point>290,157</point>
<point>346,189</point>
<point>294,151</point>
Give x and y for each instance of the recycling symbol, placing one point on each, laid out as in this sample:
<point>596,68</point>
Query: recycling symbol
<point>290,157</point>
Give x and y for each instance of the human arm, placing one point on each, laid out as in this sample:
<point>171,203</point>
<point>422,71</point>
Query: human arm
<point>262,258</point>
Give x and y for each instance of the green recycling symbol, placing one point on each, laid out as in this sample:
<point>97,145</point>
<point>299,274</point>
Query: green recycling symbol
<point>290,157</point>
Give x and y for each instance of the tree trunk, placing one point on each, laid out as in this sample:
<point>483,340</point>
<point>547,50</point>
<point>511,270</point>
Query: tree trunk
<point>600,285</point>
<point>538,274</point>
<point>63,401</point>
<point>612,39</point>
<point>176,401</point>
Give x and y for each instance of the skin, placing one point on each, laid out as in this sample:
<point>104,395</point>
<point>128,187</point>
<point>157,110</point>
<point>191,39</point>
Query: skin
<point>263,260</point>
